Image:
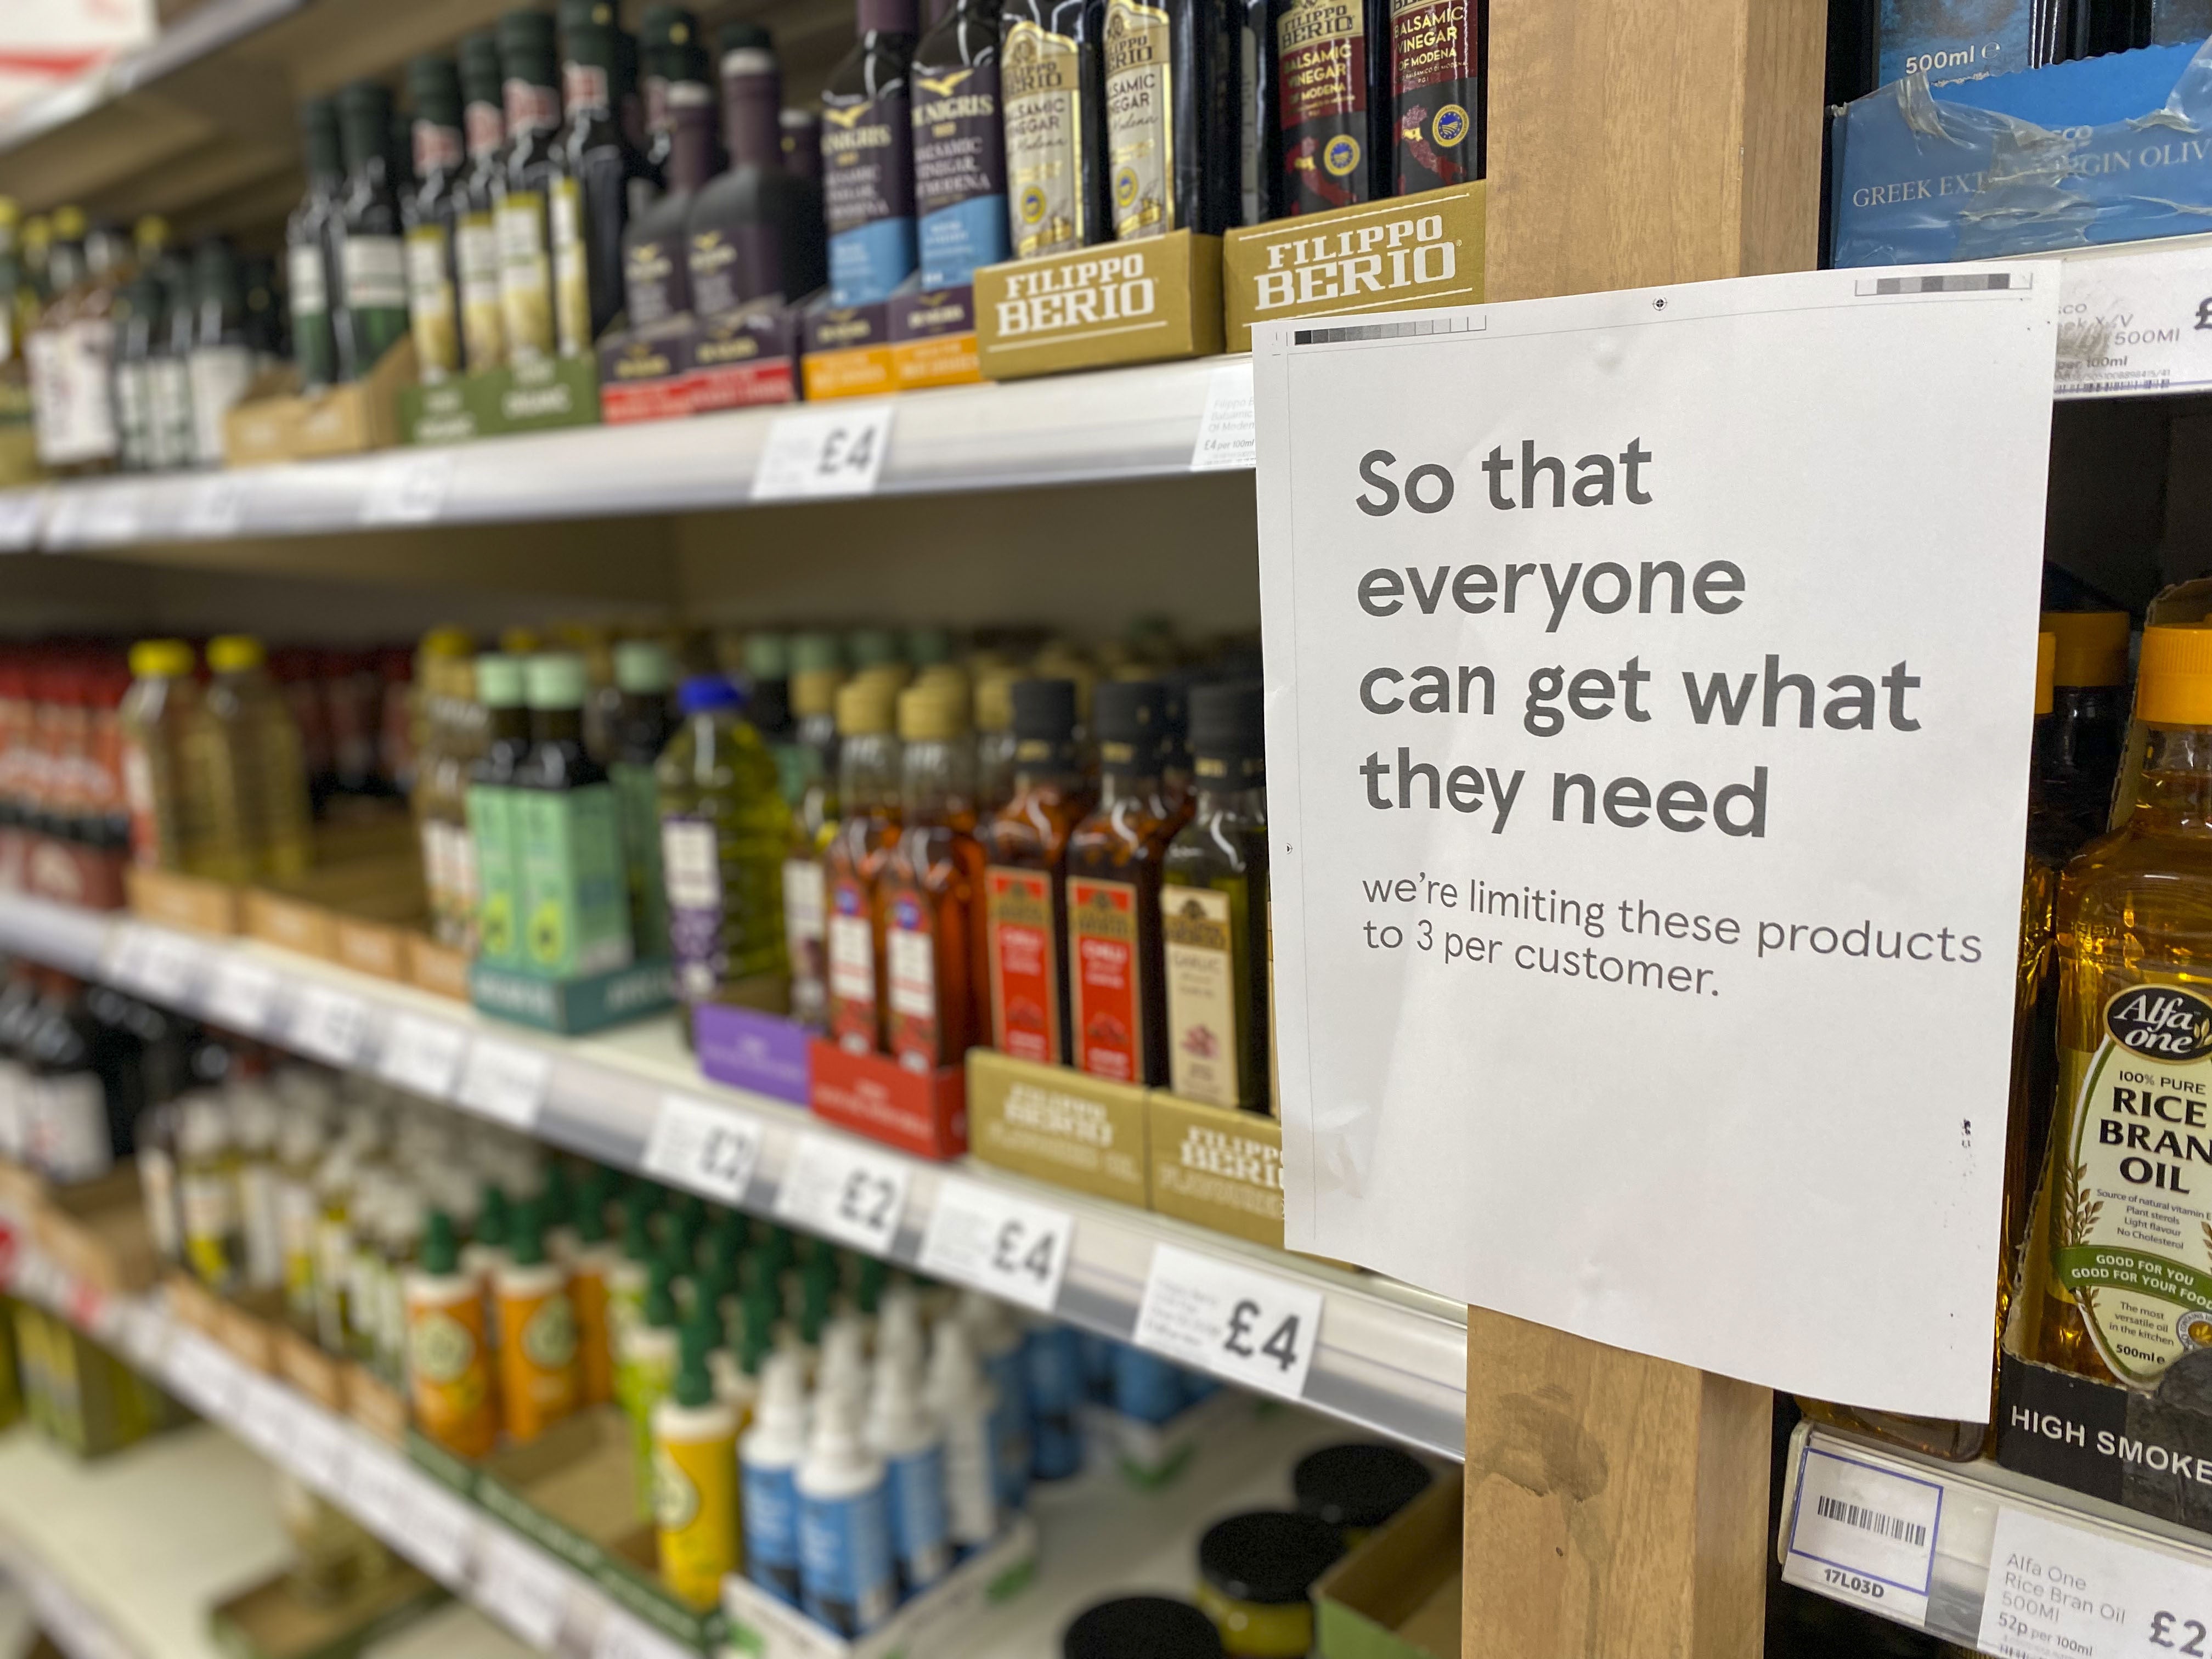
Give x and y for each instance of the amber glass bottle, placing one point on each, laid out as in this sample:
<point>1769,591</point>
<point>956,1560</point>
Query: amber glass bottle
<point>1025,896</point>
<point>1118,1016</point>
<point>928,900</point>
<point>868,794</point>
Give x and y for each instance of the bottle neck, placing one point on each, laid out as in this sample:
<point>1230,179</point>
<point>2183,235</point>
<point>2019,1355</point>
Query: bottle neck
<point>1040,764</point>
<point>690,118</point>
<point>437,147</point>
<point>868,771</point>
<point>1120,786</point>
<point>2175,794</point>
<point>752,96</point>
<point>533,104</point>
<point>486,125</point>
<point>586,88</point>
<point>937,779</point>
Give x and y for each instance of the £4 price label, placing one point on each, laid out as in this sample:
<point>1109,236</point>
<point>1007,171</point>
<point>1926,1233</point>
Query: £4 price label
<point>825,453</point>
<point>845,1191</point>
<point>707,1148</point>
<point>998,1242</point>
<point>1252,1328</point>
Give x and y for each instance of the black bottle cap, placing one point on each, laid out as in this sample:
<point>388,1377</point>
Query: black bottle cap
<point>1044,711</point>
<point>663,27</point>
<point>525,34</point>
<point>1362,1483</point>
<point>888,16</point>
<point>742,36</point>
<point>1140,1627</point>
<point>1226,722</point>
<point>1270,1557</point>
<point>434,87</point>
<point>1128,718</point>
<point>479,55</point>
<point>586,14</point>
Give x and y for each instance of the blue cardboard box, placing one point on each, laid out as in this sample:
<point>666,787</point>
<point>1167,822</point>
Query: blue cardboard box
<point>2077,155</point>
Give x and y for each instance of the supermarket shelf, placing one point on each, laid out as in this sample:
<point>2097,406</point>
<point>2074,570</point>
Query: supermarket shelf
<point>2122,1555</point>
<point>1123,424</point>
<point>1389,1357</point>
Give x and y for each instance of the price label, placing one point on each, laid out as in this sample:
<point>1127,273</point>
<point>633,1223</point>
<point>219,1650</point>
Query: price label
<point>375,1492</point>
<point>143,1335</point>
<point>707,1148</point>
<point>1862,1532</point>
<point>423,1055</point>
<point>2058,1589</point>
<point>844,1191</point>
<point>441,1530</point>
<point>329,1025</point>
<point>318,1448</point>
<point>207,1378</point>
<point>242,995</point>
<point>111,513</point>
<point>212,507</point>
<point>266,1421</point>
<point>836,451</point>
<point>21,512</point>
<point>169,967</point>
<point>1217,1316</point>
<point>621,1636</point>
<point>408,488</point>
<point>1002,1244</point>
<point>123,954</point>
<point>521,1586</point>
<point>1226,433</point>
<point>505,1083</point>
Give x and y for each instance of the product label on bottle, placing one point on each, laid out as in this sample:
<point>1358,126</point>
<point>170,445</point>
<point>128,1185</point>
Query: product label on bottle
<point>170,427</point>
<point>499,876</point>
<point>640,832</point>
<point>867,193</point>
<point>851,967</point>
<point>67,1131</point>
<point>805,938</point>
<point>430,309</point>
<point>530,108</point>
<point>333,1275</point>
<point>914,1031</point>
<point>208,1204</point>
<point>306,279</point>
<point>1435,92</point>
<point>1951,42</point>
<point>265,1240</point>
<point>449,1376</point>
<point>575,889</point>
<point>219,375</point>
<point>845,1560</point>
<point>134,414</point>
<point>526,276</point>
<point>374,270</point>
<point>75,406</point>
<point>959,171</point>
<point>770,1511</point>
<point>475,252</point>
<point>1103,973</point>
<point>971,1479</point>
<point>1024,958</point>
<point>538,1366</point>
<point>296,1216</point>
<point>2131,1187</point>
<point>1321,92</point>
<point>1041,80</point>
<point>655,279</point>
<point>733,264</point>
<point>691,876</point>
<point>695,1508</point>
<point>1197,926</point>
<point>572,280</point>
<point>1140,126</point>
<point>914,1486</point>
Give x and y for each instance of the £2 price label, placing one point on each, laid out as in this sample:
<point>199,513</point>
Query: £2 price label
<point>998,1242</point>
<point>709,1149</point>
<point>2059,1589</point>
<point>823,453</point>
<point>844,1191</point>
<point>1251,1328</point>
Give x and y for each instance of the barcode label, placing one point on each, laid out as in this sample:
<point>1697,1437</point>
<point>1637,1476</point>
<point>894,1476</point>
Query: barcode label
<point>1873,1521</point>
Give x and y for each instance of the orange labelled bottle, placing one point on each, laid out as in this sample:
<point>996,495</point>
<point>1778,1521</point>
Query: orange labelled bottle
<point>927,897</point>
<point>539,1381</point>
<point>868,789</point>
<point>1118,1001</point>
<point>1024,900</point>
<point>448,1362</point>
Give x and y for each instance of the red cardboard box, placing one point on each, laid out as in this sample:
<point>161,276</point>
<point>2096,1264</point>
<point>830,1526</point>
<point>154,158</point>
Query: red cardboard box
<point>872,1095</point>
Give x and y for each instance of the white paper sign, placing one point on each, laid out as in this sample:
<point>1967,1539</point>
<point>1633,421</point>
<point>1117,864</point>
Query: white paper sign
<point>1864,1533</point>
<point>621,1636</point>
<point>844,1191</point>
<point>707,1148</point>
<point>1640,799</point>
<point>521,1586</point>
<point>998,1242</point>
<point>1253,1329</point>
<point>2063,1592</point>
<point>423,1055</point>
<point>1226,439</point>
<point>834,451</point>
<point>242,995</point>
<point>505,1083</point>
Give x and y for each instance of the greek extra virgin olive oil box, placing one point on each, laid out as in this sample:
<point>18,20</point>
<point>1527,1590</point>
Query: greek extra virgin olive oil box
<point>1139,301</point>
<point>1404,254</point>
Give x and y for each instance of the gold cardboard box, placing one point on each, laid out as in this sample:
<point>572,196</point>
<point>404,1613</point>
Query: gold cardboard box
<point>1409,254</point>
<point>1057,1125</point>
<point>1119,302</point>
<point>277,423</point>
<point>1217,1166</point>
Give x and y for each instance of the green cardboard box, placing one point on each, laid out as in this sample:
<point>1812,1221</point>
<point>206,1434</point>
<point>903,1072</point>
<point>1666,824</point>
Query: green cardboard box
<point>1396,1596</point>
<point>572,1005</point>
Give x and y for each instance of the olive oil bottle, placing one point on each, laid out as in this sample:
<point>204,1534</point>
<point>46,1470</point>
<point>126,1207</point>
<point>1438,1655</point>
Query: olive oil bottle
<point>310,283</point>
<point>531,173</point>
<point>2129,1191</point>
<point>476,232</point>
<point>431,210</point>
<point>372,259</point>
<point>599,173</point>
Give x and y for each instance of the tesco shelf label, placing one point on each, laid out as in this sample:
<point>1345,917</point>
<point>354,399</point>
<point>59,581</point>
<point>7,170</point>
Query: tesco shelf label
<point>707,1148</point>
<point>329,1025</point>
<point>1864,1533</point>
<point>242,995</point>
<point>506,1082</point>
<point>999,1242</point>
<point>1252,1328</point>
<point>818,453</point>
<point>423,1055</point>
<point>844,1191</point>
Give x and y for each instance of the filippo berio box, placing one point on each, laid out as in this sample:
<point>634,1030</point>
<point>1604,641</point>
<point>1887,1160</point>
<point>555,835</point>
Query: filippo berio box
<point>1057,1125</point>
<point>1217,1166</point>
<point>1120,302</point>
<point>1403,254</point>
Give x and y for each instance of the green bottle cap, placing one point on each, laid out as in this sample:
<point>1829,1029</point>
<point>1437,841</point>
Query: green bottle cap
<point>925,646</point>
<point>492,1218</point>
<point>637,1231</point>
<point>725,1242</point>
<point>815,653</point>
<point>758,1310</point>
<point>641,667</point>
<point>767,657</point>
<point>591,1221</point>
<point>868,1290</point>
<point>556,680</point>
<point>817,1288</point>
<point>870,647</point>
<point>781,1248</point>
<point>526,1242</point>
<point>661,1297</point>
<point>480,76</point>
<point>499,680</point>
<point>441,1253</point>
<point>694,1386</point>
<point>434,85</point>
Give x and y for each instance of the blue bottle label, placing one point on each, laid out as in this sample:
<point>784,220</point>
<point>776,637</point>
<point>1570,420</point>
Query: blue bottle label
<point>1010,1426</point>
<point>867,193</point>
<point>1146,1387</point>
<point>959,172</point>
<point>771,1516</point>
<point>915,1488</point>
<point>1952,41</point>
<point>845,1560</point>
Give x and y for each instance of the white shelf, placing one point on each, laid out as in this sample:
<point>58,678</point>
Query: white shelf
<point>1389,1357</point>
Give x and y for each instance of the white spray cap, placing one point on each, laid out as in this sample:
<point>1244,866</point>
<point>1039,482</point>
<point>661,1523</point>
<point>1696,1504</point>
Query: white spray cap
<point>834,1442</point>
<point>894,1408</point>
<point>956,1381</point>
<point>843,1370</point>
<point>988,1323</point>
<point>899,1336</point>
<point>782,1409</point>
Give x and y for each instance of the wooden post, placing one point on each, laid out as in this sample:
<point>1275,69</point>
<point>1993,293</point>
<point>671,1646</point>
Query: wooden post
<point>1616,1504</point>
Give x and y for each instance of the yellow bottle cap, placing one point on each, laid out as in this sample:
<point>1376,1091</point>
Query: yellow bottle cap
<point>2173,679</point>
<point>2093,646</point>
<point>10,213</point>
<point>448,642</point>
<point>864,708</point>
<point>814,691</point>
<point>151,233</point>
<point>931,711</point>
<point>2046,652</point>
<point>234,654</point>
<point>994,700</point>
<point>161,660</point>
<point>69,224</point>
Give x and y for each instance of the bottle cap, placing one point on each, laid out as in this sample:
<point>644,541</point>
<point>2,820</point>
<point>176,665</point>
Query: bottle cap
<point>479,55</point>
<point>161,660</point>
<point>1270,1557</point>
<point>2093,646</point>
<point>525,1241</point>
<point>1157,1626</point>
<point>694,1385</point>
<point>1129,717</point>
<point>446,642</point>
<point>768,656</point>
<point>704,693</point>
<point>927,646</point>
<point>868,647</point>
<point>637,1234</point>
<point>440,1254</point>
<point>492,1215</point>
<point>1044,710</point>
<point>67,222</point>
<point>1226,723</point>
<point>994,700</point>
<point>815,653</point>
<point>641,667</point>
<point>11,214</point>
<point>814,691</point>
<point>929,713</point>
<point>363,100</point>
<point>864,708</point>
<point>660,1295</point>
<point>499,680</point>
<point>526,31</point>
<point>2173,682</point>
<point>555,680</point>
<point>150,235</point>
<point>2046,658</point>
<point>234,654</point>
<point>666,26</point>
<point>742,36</point>
<point>1359,1483</point>
<point>434,86</point>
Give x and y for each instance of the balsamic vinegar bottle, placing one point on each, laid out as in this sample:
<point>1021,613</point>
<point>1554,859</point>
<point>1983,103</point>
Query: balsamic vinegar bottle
<point>1259,132</point>
<point>959,148</point>
<point>1052,89</point>
<point>867,157</point>
<point>1332,60</point>
<point>1170,121</point>
<point>757,230</point>
<point>656,271</point>
<point>1435,93</point>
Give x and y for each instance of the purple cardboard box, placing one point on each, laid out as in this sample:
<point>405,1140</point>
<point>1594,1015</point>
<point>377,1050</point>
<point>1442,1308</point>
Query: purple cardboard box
<point>749,1049</point>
